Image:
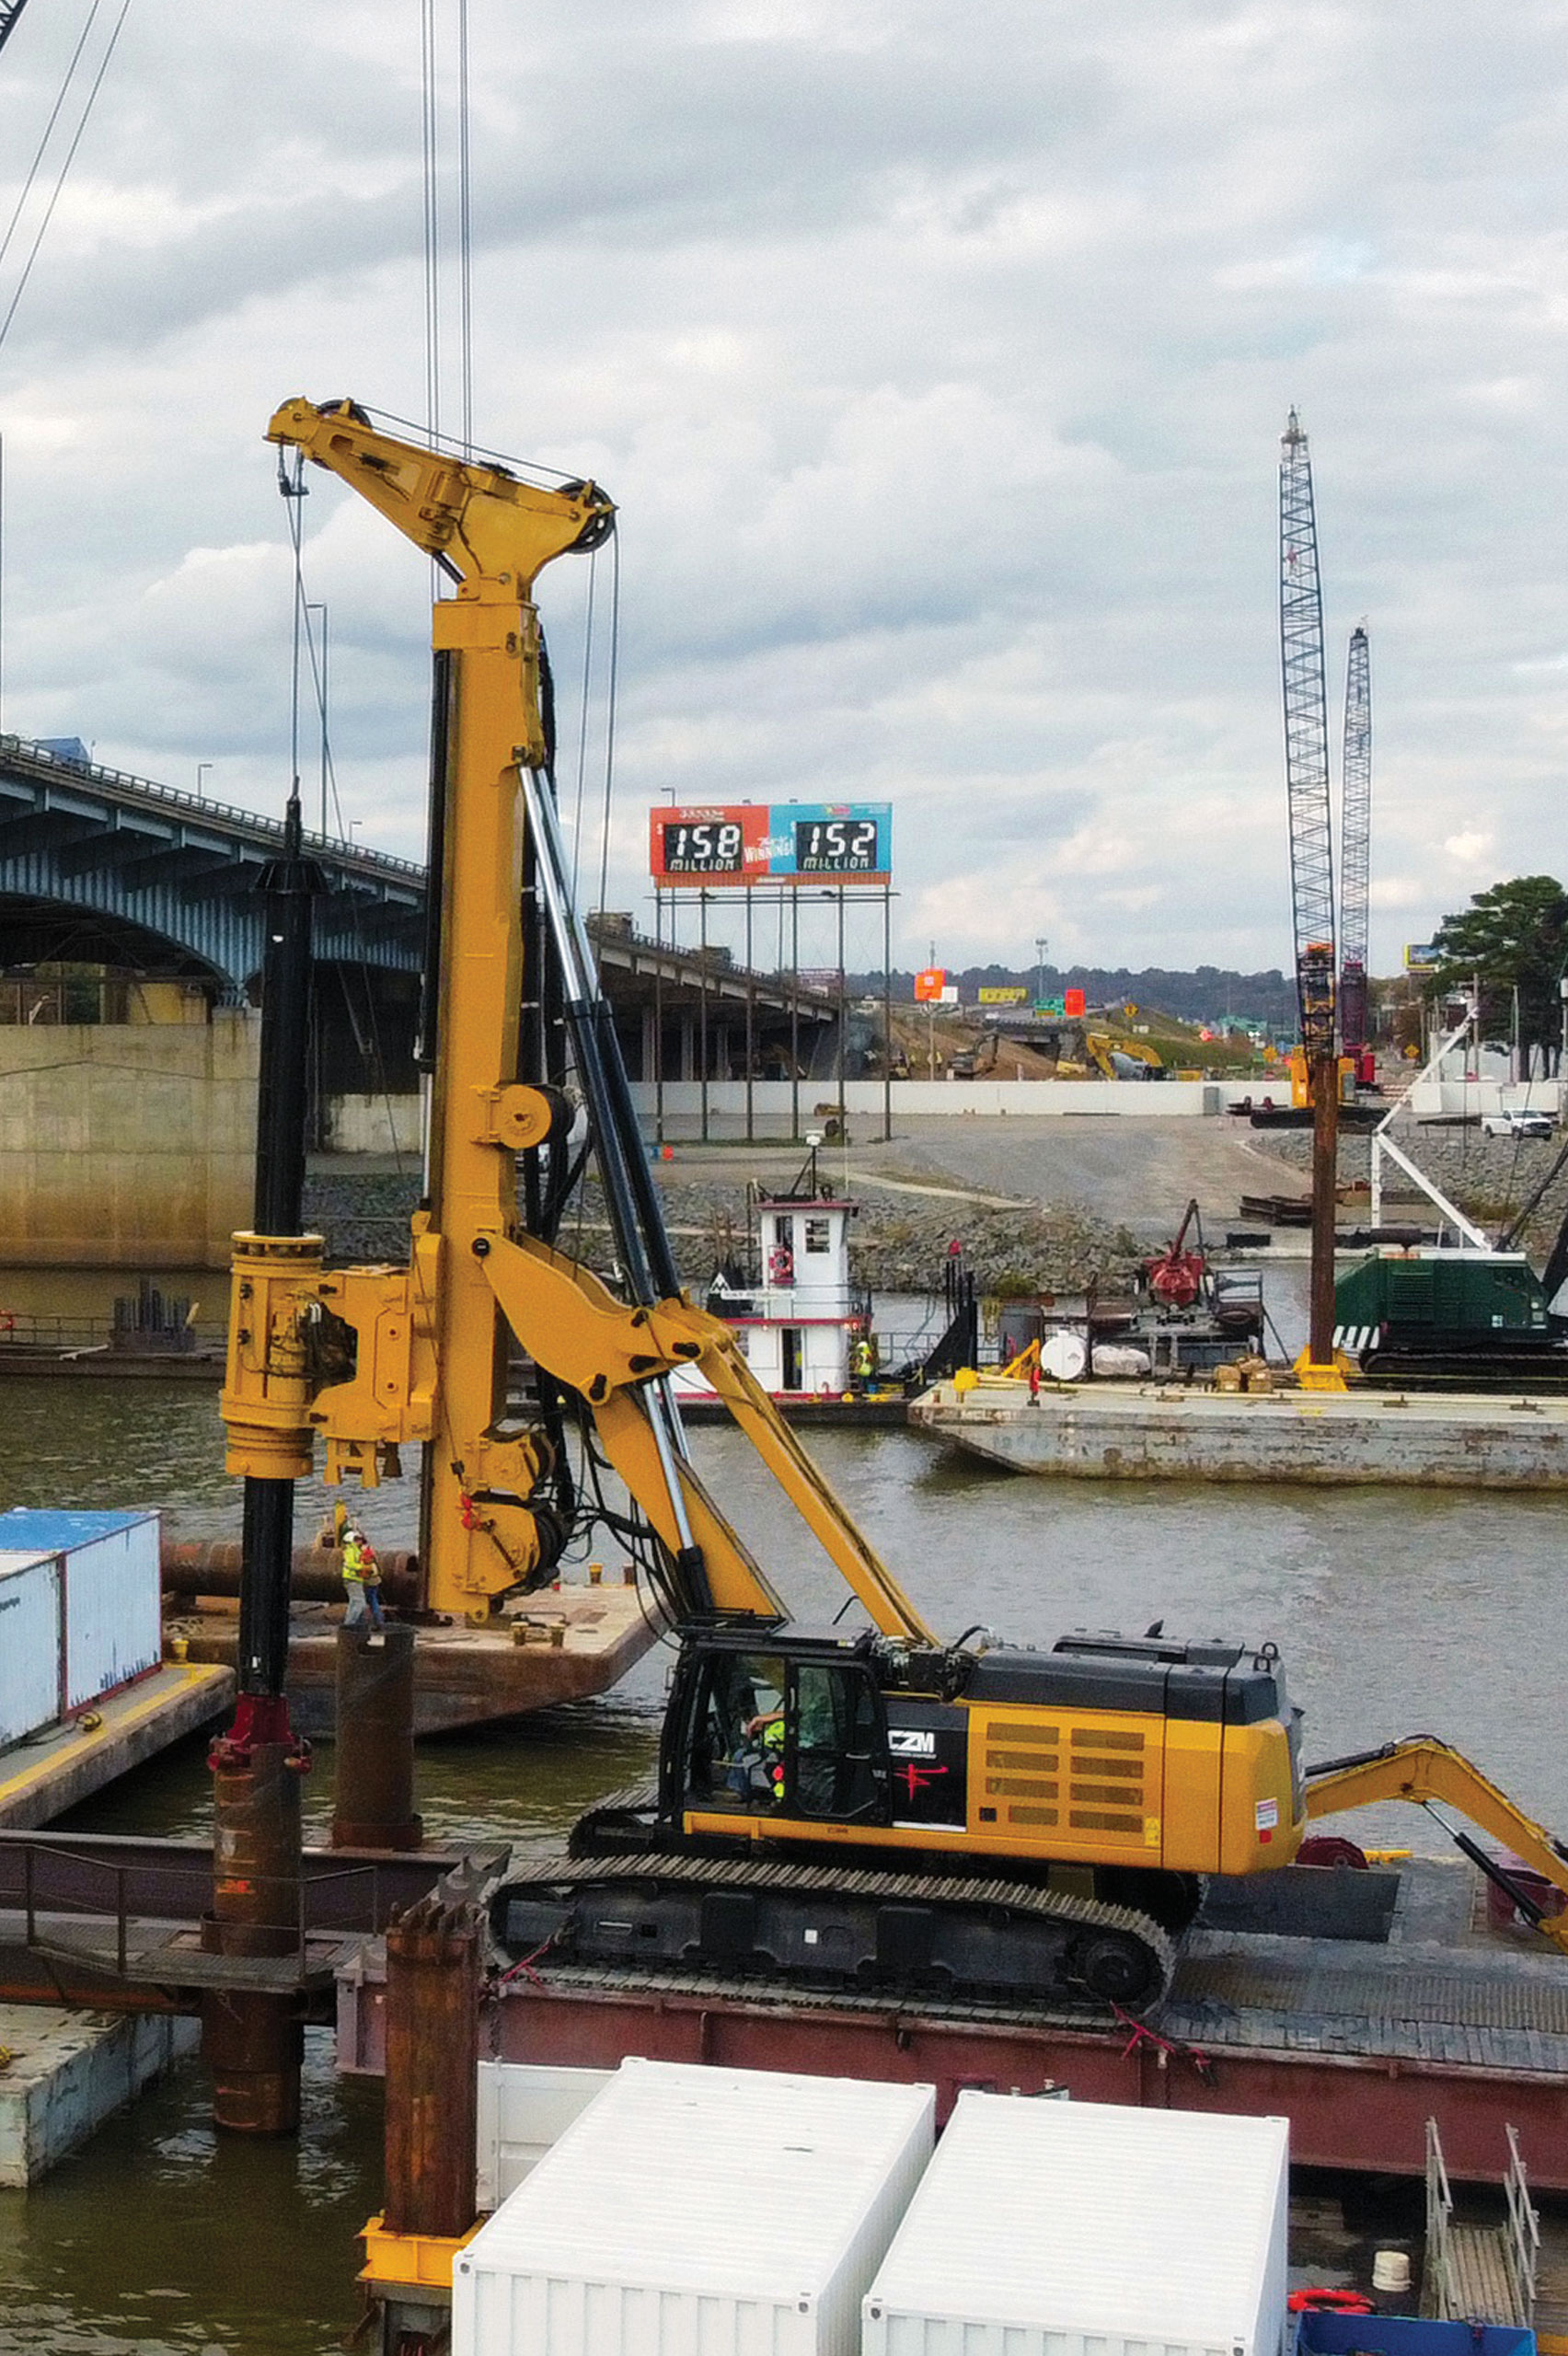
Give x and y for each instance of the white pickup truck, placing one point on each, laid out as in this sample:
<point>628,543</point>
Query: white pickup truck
<point>1516,1124</point>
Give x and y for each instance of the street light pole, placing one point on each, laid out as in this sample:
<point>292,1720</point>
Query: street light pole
<point>321,609</point>
<point>202,769</point>
<point>1041,946</point>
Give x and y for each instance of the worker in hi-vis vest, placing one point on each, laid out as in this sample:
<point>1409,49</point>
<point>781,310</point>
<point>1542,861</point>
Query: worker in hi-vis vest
<point>362,1577</point>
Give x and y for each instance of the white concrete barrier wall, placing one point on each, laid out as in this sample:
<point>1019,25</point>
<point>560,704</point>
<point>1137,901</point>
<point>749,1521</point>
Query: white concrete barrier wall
<point>374,1125</point>
<point>863,1099</point>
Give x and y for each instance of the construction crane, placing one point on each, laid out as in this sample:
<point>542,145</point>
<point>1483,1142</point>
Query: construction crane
<point>10,12</point>
<point>1356,837</point>
<point>1312,870</point>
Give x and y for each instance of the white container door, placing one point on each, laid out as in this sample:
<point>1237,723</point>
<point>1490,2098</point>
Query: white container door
<point>29,1645</point>
<point>114,1631</point>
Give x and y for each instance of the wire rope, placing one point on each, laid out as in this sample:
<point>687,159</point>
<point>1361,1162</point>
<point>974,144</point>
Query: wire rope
<point>583,724</point>
<point>431,194</point>
<point>54,113</point>
<point>465,238</point>
<point>509,465</point>
<point>95,85</point>
<point>610,722</point>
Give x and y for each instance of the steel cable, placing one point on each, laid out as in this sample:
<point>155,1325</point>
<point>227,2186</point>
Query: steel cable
<point>70,154</point>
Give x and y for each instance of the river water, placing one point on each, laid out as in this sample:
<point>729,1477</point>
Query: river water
<point>1396,1612</point>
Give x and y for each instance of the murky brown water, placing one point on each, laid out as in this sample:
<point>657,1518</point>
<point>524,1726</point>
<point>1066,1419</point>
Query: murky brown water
<point>1396,1613</point>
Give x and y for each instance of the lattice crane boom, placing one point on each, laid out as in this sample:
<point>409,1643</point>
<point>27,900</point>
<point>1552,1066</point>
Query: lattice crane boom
<point>9,12</point>
<point>1311,871</point>
<point>1356,842</point>
<point>1306,742</point>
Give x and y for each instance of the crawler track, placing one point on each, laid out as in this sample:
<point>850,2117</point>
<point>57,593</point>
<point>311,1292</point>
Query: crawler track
<point>829,1926</point>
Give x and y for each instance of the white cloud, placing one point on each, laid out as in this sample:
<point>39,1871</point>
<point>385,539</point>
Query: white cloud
<point>936,360</point>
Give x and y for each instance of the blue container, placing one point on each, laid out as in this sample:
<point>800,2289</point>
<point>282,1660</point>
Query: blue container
<point>1320,2333</point>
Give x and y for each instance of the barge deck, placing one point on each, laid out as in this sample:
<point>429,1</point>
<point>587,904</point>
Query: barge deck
<point>1357,2042</point>
<point>1115,1431</point>
<point>63,1765</point>
<point>560,1645</point>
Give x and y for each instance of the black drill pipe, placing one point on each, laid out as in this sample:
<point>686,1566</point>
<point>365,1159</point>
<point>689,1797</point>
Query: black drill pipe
<point>290,884</point>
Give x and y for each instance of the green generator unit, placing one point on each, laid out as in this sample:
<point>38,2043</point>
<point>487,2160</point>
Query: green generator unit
<point>1441,1305</point>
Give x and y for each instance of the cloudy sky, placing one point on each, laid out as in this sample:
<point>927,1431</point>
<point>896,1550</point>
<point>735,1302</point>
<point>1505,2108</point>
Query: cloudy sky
<point>937,357</point>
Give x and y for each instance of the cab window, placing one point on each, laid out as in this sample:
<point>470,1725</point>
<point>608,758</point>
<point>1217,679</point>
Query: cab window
<point>838,1748</point>
<point>737,1750</point>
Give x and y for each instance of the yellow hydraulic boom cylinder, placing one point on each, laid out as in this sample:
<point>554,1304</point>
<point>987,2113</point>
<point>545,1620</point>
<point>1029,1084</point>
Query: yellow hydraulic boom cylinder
<point>1420,1768</point>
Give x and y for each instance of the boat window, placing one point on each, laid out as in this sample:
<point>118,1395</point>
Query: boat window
<point>819,1234</point>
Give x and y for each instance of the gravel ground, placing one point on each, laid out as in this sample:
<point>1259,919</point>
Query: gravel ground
<point>1048,1202</point>
<point>1489,1178</point>
<point>898,1242</point>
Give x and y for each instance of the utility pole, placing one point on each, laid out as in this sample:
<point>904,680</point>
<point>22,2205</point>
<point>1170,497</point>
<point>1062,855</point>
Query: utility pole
<point>1311,873</point>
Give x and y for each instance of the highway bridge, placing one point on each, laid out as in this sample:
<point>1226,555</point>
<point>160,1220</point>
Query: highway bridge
<point>101,868</point>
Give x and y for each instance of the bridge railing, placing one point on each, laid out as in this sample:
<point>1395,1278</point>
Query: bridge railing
<point>29,757</point>
<point>720,962</point>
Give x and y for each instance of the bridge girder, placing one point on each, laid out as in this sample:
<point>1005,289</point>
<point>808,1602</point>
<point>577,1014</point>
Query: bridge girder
<point>172,873</point>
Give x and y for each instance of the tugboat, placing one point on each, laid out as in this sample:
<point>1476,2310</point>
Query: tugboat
<point>806,1327</point>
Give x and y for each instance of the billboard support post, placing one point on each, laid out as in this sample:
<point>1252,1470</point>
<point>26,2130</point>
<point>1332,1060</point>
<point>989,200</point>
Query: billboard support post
<point>702,1005</point>
<point>751,1020</point>
<point>887,1015</point>
<point>794,1017</point>
<point>843,1024</point>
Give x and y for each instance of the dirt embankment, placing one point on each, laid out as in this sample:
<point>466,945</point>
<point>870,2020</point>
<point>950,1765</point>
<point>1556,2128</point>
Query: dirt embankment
<point>898,1243</point>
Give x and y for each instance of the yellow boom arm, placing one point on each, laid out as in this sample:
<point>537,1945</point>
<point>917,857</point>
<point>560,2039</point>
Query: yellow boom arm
<point>431,1340</point>
<point>1421,1769</point>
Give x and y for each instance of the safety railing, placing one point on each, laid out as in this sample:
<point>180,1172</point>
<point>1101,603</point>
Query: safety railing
<point>1438,2284</point>
<point>36,1330</point>
<point>140,1928</point>
<point>30,759</point>
<point>1521,2250</point>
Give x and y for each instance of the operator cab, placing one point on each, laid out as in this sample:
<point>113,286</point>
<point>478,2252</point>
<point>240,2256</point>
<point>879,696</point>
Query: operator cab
<point>787,1722</point>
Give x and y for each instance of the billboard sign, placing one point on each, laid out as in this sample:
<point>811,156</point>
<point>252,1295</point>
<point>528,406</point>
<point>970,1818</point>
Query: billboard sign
<point>929,984</point>
<point>1074,1003</point>
<point>1421,957</point>
<point>728,846</point>
<point>1013,995</point>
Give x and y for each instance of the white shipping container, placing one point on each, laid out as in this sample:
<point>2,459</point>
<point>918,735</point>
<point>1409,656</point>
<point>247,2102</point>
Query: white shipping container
<point>693,2211</point>
<point>29,1642</point>
<point>111,1626</point>
<point>1083,2229</point>
<point>525,2106</point>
